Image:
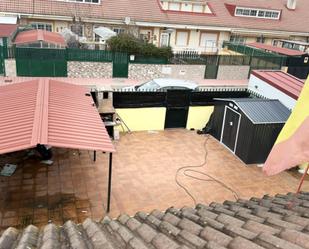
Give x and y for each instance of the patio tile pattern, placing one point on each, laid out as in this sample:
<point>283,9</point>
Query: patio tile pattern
<point>75,188</point>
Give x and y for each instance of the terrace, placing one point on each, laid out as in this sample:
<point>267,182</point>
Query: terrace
<point>145,164</point>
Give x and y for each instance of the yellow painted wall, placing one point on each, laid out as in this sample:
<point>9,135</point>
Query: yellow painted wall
<point>143,119</point>
<point>198,116</point>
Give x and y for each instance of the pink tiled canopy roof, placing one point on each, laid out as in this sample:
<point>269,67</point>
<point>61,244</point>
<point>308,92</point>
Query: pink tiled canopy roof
<point>283,51</point>
<point>50,112</point>
<point>31,36</point>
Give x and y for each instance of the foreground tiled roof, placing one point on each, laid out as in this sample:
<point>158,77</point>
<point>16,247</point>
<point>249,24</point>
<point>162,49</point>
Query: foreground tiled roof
<point>245,224</point>
<point>286,83</point>
<point>150,11</point>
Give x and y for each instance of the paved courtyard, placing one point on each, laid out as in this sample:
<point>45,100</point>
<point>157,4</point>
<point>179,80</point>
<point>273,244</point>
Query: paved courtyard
<point>144,169</point>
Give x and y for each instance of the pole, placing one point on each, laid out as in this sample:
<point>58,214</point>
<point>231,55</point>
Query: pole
<point>94,155</point>
<point>290,204</point>
<point>109,190</point>
<point>302,180</point>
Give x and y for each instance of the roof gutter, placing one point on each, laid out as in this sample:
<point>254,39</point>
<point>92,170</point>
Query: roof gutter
<point>35,16</point>
<point>62,18</point>
<point>181,26</point>
<point>232,30</point>
<point>270,33</point>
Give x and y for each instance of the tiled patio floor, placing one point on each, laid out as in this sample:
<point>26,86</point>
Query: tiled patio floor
<point>143,179</point>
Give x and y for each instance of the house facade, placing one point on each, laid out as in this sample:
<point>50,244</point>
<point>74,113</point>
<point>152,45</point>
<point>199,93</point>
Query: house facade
<point>185,25</point>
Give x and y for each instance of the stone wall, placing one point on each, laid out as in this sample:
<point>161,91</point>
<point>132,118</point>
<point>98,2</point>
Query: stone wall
<point>150,71</point>
<point>10,67</point>
<point>227,72</point>
<point>78,69</point>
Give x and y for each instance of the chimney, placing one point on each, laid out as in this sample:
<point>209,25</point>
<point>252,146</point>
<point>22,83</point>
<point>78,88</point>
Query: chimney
<point>291,4</point>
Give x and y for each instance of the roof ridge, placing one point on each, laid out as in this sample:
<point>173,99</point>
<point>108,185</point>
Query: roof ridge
<point>40,122</point>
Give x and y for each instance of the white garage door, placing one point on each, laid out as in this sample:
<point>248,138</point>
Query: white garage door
<point>208,41</point>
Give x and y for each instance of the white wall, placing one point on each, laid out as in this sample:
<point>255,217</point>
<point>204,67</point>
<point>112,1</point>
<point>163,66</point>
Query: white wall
<point>263,88</point>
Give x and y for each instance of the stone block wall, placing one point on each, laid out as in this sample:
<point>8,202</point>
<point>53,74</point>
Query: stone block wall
<point>227,72</point>
<point>78,69</point>
<point>150,71</point>
<point>10,67</point>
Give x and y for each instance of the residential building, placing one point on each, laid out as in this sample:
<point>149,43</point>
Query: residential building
<point>196,25</point>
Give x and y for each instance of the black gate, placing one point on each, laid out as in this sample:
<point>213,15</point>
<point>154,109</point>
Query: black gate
<point>230,128</point>
<point>120,65</point>
<point>211,72</point>
<point>299,72</point>
<point>177,102</point>
<point>298,66</point>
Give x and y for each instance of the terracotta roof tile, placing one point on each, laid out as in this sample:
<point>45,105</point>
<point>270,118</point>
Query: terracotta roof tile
<point>235,231</point>
<point>259,228</point>
<point>164,230</point>
<point>211,234</point>
<point>150,11</point>
<point>32,36</point>
<point>270,241</point>
<point>283,51</point>
<point>295,237</point>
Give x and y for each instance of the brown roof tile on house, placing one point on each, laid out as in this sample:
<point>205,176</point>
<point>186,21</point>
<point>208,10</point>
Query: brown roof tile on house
<point>174,229</point>
<point>150,11</point>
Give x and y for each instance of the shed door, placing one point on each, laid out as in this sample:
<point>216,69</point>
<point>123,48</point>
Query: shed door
<point>230,128</point>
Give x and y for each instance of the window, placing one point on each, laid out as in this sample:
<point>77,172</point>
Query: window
<point>208,41</point>
<point>253,12</point>
<point>164,40</point>
<point>260,39</point>
<point>174,6</point>
<point>198,8</point>
<point>258,13</point>
<point>185,6</point>
<point>118,30</point>
<point>237,39</point>
<point>182,38</point>
<point>82,1</point>
<point>43,26</point>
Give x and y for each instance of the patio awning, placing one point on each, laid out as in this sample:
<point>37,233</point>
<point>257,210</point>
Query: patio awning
<point>31,36</point>
<point>8,19</point>
<point>51,112</point>
<point>104,33</point>
<point>282,51</point>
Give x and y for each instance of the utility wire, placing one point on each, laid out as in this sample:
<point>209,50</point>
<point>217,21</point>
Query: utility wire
<point>191,168</point>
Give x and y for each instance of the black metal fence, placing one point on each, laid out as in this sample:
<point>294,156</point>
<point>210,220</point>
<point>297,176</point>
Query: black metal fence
<point>206,97</point>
